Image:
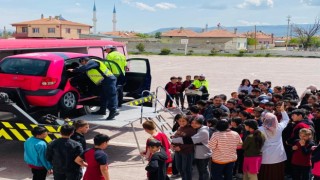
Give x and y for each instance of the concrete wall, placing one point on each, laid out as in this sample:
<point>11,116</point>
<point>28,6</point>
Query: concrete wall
<point>197,45</point>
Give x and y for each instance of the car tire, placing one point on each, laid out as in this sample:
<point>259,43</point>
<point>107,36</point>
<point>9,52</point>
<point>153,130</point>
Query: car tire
<point>90,109</point>
<point>68,101</point>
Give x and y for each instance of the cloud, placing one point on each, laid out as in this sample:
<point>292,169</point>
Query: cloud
<point>248,23</point>
<point>256,4</point>
<point>77,4</point>
<point>311,2</point>
<point>143,6</point>
<point>165,6</point>
<point>126,1</point>
<point>213,6</point>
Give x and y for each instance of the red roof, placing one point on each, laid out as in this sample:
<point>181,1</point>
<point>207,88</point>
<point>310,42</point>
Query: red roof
<point>179,33</point>
<point>217,33</point>
<point>50,21</point>
<point>12,44</point>
<point>259,35</point>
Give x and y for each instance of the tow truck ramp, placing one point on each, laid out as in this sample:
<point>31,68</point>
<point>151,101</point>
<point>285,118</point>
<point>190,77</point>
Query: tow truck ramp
<point>19,124</point>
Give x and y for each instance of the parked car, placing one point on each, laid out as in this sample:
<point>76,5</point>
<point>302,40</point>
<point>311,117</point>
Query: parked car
<point>41,79</point>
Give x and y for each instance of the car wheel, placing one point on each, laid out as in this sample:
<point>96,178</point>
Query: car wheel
<point>68,101</point>
<point>90,109</point>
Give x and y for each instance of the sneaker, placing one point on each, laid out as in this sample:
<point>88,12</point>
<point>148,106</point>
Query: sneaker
<point>175,175</point>
<point>100,112</point>
<point>112,115</point>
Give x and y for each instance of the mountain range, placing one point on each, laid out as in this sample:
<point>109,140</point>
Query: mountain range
<point>277,30</point>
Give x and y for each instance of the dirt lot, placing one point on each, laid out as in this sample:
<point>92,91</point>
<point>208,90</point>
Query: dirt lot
<point>224,75</point>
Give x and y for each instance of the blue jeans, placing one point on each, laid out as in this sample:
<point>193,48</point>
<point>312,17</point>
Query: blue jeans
<point>202,166</point>
<point>184,165</point>
<point>109,97</point>
<point>221,171</point>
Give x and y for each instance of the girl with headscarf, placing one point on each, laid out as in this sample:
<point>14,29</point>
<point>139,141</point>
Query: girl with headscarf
<point>273,153</point>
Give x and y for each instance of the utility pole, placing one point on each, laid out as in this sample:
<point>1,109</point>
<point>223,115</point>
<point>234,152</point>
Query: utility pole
<point>287,41</point>
<point>255,37</point>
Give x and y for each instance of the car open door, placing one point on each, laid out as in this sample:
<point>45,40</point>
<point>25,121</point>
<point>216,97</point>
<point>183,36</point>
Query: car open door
<point>138,77</point>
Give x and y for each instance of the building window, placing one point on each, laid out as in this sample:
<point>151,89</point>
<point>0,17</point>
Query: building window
<point>68,30</point>
<point>24,29</point>
<point>79,31</point>
<point>51,30</point>
<point>35,30</point>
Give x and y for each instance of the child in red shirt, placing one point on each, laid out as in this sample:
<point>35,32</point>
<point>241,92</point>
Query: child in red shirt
<point>150,128</point>
<point>171,88</point>
<point>95,159</point>
<point>301,157</point>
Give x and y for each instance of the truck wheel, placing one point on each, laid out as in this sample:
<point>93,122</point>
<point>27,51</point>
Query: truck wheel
<point>68,101</point>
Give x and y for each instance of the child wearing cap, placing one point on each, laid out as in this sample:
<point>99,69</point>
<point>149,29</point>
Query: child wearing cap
<point>299,118</point>
<point>156,167</point>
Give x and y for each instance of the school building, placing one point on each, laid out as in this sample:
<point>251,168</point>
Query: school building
<point>52,27</point>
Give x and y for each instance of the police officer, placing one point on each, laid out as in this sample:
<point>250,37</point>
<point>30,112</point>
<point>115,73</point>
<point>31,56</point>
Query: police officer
<point>117,57</point>
<point>202,85</point>
<point>102,77</point>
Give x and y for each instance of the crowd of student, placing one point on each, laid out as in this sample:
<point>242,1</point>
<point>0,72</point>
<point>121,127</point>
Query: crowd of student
<point>259,133</point>
<point>68,156</point>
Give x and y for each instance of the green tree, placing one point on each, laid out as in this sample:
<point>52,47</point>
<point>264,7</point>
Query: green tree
<point>251,41</point>
<point>157,35</point>
<point>143,35</point>
<point>140,47</point>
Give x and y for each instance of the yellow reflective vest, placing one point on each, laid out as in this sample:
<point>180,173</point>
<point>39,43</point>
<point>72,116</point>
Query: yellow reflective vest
<point>196,84</point>
<point>118,58</point>
<point>95,76</point>
<point>205,84</point>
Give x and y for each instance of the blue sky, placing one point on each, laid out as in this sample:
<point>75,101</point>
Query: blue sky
<point>148,15</point>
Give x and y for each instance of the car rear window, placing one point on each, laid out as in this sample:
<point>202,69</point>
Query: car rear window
<point>23,66</point>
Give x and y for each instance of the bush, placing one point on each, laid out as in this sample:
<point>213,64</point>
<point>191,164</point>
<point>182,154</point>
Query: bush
<point>213,52</point>
<point>140,47</point>
<point>190,52</point>
<point>241,53</point>
<point>165,51</point>
<point>268,55</point>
